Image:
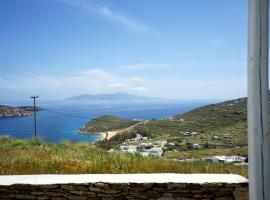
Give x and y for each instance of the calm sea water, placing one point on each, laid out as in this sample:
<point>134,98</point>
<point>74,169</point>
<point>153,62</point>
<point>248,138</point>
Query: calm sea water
<point>55,127</point>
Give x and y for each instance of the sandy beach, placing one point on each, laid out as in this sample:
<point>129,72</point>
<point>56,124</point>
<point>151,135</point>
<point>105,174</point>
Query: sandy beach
<point>113,133</point>
<point>103,134</point>
<point>110,134</point>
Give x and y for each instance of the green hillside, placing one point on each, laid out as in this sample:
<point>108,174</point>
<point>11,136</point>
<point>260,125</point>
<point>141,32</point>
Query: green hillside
<point>221,125</point>
<point>229,117</point>
<point>106,123</point>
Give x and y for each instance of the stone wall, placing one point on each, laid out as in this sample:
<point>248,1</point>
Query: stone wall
<point>110,190</point>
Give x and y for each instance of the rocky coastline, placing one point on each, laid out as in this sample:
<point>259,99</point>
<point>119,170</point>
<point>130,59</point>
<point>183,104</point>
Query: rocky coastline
<point>10,111</point>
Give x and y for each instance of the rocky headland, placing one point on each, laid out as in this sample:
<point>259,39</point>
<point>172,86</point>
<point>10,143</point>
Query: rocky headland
<point>10,111</point>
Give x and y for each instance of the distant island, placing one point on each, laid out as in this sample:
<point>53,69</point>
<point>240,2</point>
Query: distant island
<point>120,97</point>
<point>11,111</point>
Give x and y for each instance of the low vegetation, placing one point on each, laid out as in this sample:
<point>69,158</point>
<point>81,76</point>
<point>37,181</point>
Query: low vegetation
<point>210,123</point>
<point>202,153</point>
<point>106,123</point>
<point>217,119</point>
<point>29,157</point>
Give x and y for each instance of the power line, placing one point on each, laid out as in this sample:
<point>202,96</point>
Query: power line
<point>8,130</point>
<point>22,130</point>
<point>66,114</point>
<point>49,110</point>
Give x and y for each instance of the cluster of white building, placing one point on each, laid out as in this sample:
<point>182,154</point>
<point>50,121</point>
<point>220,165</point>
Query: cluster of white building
<point>146,149</point>
<point>225,159</point>
<point>221,137</point>
<point>172,119</point>
<point>155,151</point>
<point>189,134</point>
<point>2,135</point>
<point>138,138</point>
<point>238,160</point>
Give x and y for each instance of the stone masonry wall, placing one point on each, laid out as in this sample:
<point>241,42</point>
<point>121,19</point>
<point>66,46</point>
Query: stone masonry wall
<point>101,190</point>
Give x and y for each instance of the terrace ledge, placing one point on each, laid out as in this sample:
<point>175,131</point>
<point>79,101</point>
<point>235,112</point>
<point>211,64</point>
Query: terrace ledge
<point>7,180</point>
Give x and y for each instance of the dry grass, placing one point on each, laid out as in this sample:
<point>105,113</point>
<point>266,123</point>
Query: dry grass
<point>27,157</point>
<point>201,153</point>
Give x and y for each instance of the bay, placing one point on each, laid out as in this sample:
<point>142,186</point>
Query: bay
<point>60,121</point>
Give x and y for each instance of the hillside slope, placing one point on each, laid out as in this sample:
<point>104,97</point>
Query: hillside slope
<point>106,123</point>
<point>228,117</point>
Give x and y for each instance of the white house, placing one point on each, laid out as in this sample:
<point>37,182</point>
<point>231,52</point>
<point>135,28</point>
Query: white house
<point>215,137</point>
<point>228,159</point>
<point>138,137</point>
<point>145,153</point>
<point>146,145</point>
<point>145,138</point>
<point>196,146</point>
<point>171,118</point>
<point>180,120</point>
<point>128,149</point>
<point>155,152</point>
<point>184,134</point>
<point>193,133</point>
<point>161,143</point>
<point>227,136</point>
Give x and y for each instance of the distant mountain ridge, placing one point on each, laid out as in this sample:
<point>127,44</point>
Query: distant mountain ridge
<point>112,97</point>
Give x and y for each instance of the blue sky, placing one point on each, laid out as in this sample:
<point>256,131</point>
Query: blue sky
<point>181,49</point>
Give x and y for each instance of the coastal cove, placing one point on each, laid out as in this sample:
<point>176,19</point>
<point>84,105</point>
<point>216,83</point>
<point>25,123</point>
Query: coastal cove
<point>61,121</point>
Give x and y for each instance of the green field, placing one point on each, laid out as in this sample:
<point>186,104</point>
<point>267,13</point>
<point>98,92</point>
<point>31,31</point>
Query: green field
<point>28,157</point>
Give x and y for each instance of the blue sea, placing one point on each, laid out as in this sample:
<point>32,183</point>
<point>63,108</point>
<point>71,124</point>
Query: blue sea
<point>60,121</point>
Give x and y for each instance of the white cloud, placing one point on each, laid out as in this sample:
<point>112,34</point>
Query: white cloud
<point>100,81</point>
<point>116,85</point>
<point>90,81</point>
<point>145,66</point>
<point>130,23</point>
<point>139,89</point>
<point>108,14</point>
<point>227,88</point>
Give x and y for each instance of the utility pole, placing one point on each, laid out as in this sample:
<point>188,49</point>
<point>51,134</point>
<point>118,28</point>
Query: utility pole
<point>35,116</point>
<point>258,130</point>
